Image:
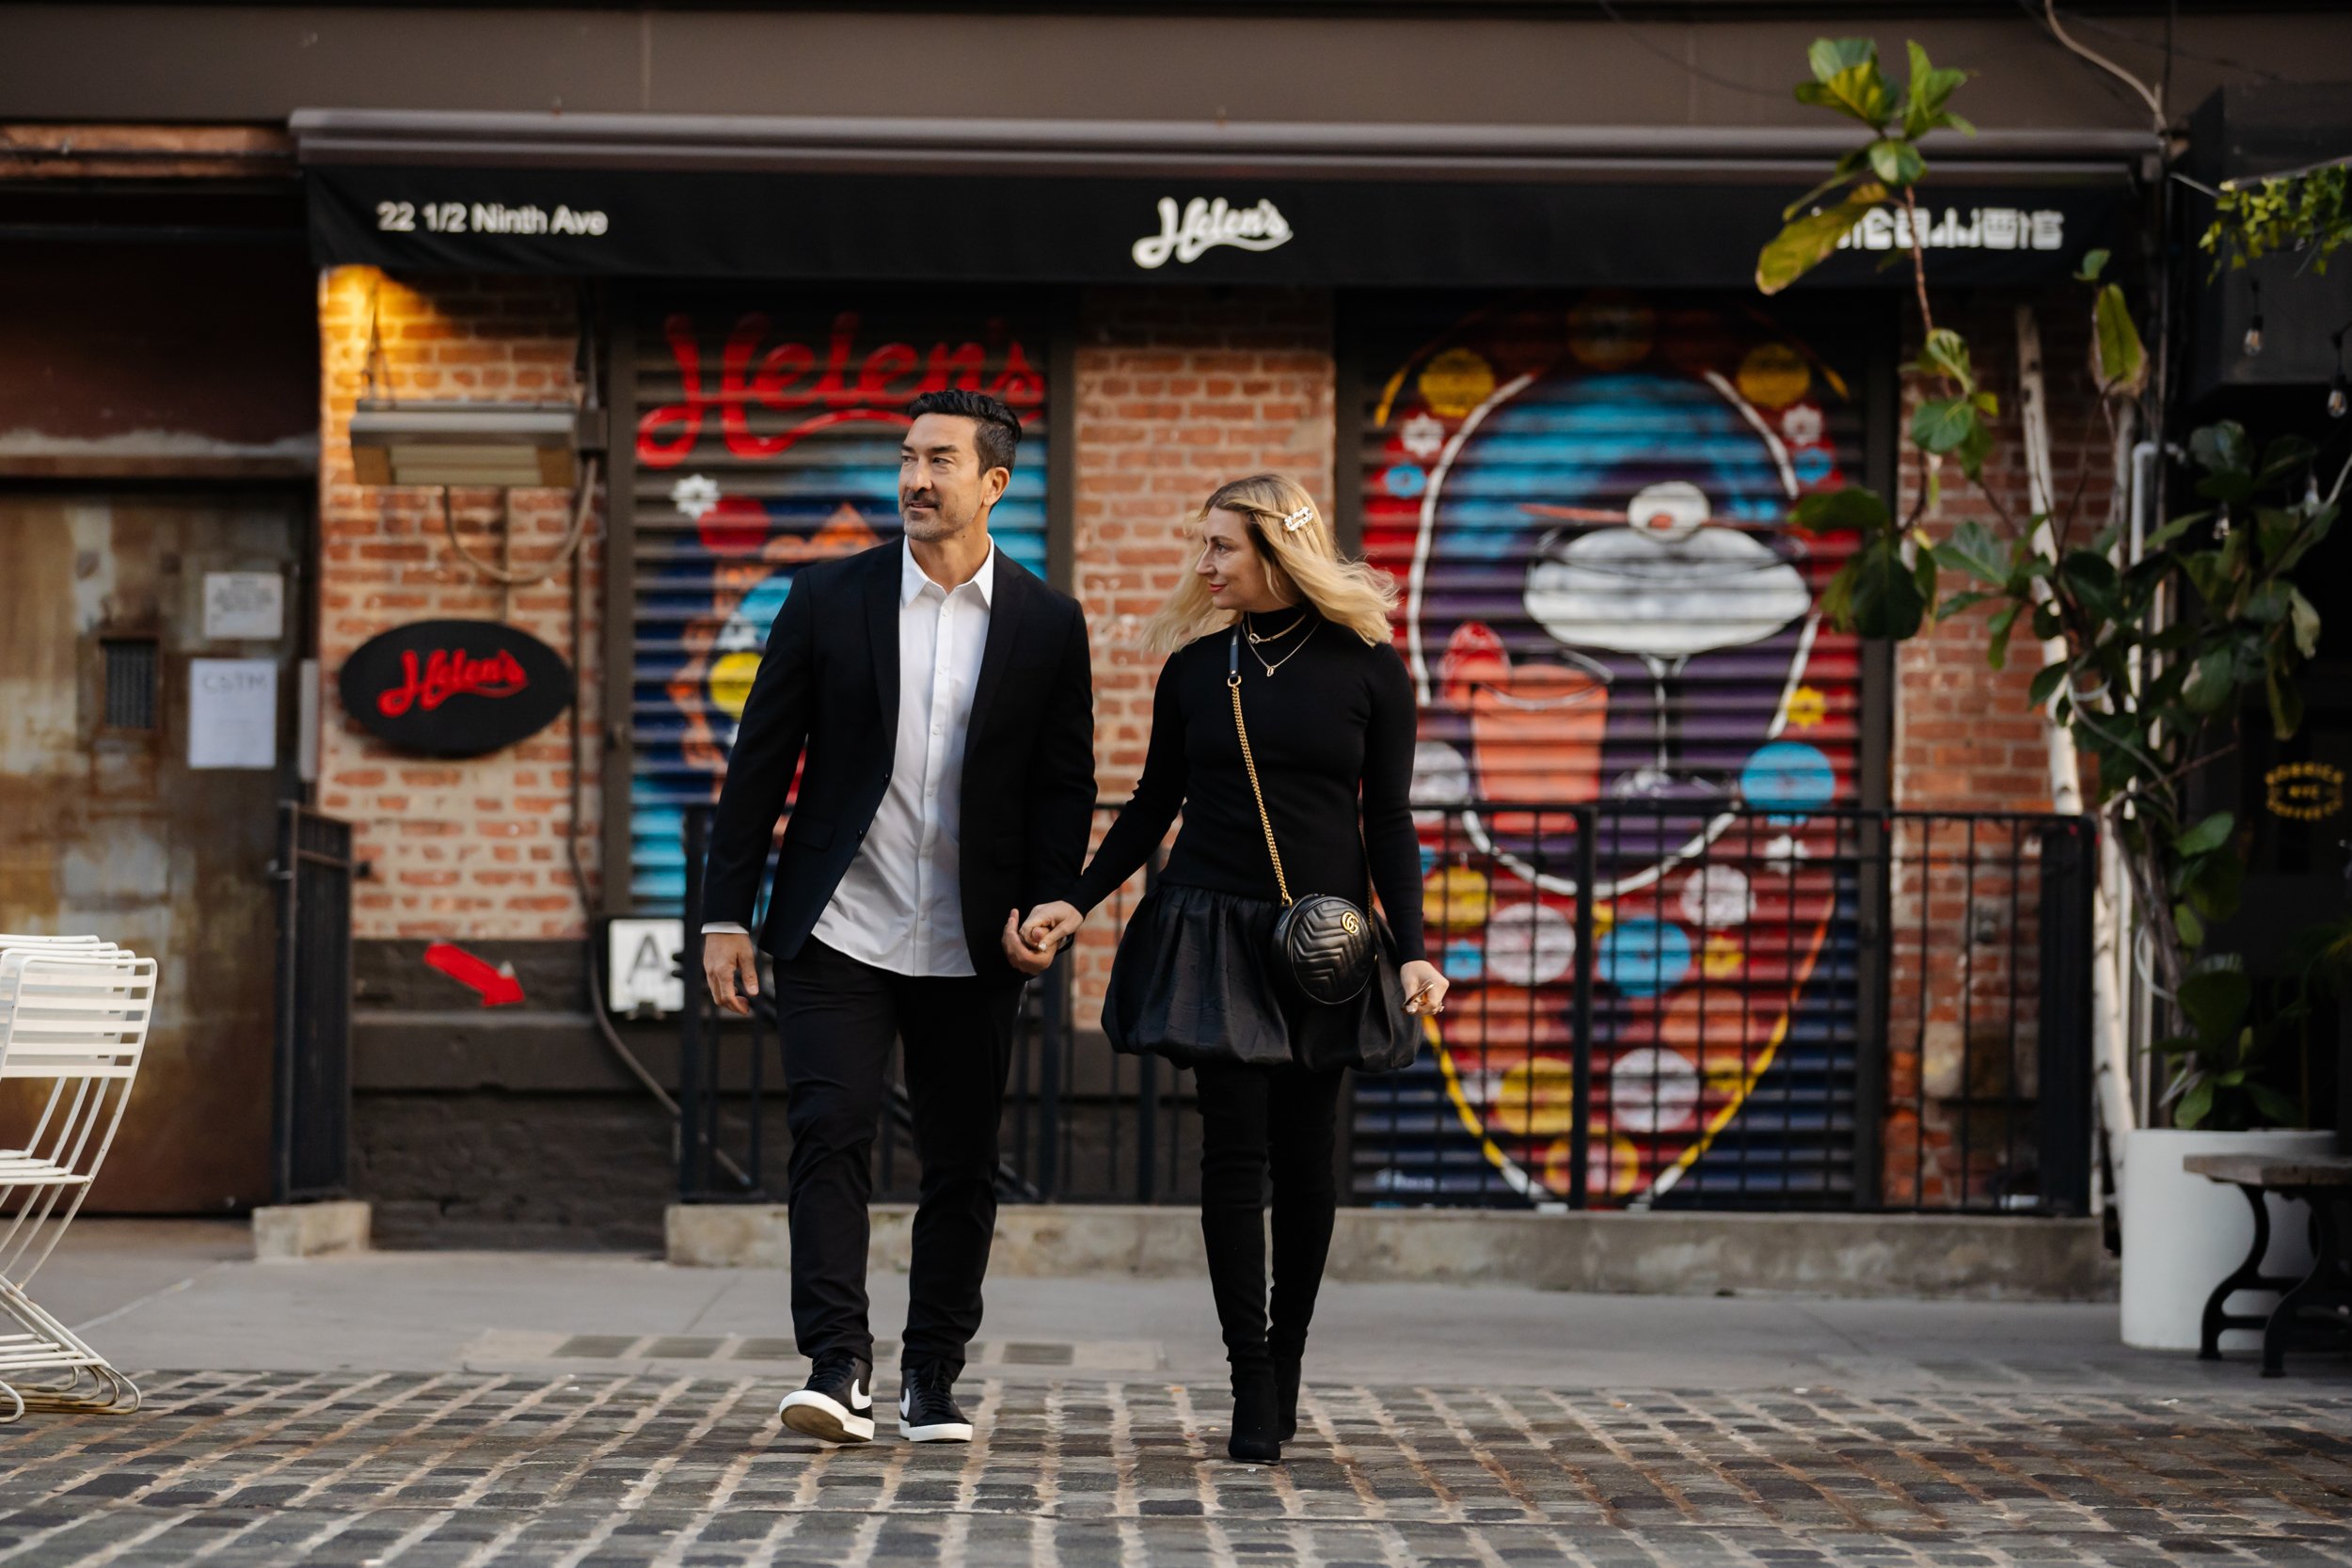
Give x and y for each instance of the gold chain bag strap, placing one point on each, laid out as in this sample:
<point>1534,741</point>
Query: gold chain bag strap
<point>1325,943</point>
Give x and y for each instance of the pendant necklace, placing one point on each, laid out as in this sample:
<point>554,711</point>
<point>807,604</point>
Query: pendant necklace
<point>1286,658</point>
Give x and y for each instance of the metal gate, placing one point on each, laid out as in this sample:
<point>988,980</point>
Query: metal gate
<point>766,436</point>
<point>311,1113</point>
<point>1584,498</point>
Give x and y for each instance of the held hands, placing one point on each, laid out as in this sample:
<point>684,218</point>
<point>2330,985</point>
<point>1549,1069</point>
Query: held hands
<point>1030,944</point>
<point>1424,987</point>
<point>728,958</point>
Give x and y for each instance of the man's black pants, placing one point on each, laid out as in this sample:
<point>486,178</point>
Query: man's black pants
<point>838,1018</point>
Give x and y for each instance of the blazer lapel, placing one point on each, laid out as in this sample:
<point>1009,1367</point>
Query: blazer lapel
<point>882,625</point>
<point>1005,616</point>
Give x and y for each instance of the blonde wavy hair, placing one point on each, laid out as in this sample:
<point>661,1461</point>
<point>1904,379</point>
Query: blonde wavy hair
<point>1302,562</point>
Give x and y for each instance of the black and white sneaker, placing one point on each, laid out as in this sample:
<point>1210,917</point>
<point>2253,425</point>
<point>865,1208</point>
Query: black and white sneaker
<point>927,1407</point>
<point>838,1402</point>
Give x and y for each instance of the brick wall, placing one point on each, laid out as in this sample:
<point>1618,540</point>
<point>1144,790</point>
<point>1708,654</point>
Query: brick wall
<point>1178,391</point>
<point>1965,992</point>
<point>473,848</point>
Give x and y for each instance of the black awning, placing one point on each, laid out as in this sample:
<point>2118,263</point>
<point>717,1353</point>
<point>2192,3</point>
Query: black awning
<point>1408,205</point>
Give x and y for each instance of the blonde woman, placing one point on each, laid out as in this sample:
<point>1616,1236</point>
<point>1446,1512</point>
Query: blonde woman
<point>1273,617</point>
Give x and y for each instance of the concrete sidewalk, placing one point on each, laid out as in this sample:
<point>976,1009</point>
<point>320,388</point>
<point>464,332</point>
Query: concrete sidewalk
<point>188,1295</point>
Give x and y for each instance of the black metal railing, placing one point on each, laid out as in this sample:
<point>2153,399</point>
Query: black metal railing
<point>1656,1003</point>
<point>310,1106</point>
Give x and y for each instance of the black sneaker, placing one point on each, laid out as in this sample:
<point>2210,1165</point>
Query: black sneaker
<point>927,1407</point>
<point>838,1404</point>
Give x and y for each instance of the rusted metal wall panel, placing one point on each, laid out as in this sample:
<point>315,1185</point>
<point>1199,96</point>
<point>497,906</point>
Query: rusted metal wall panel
<point>108,829</point>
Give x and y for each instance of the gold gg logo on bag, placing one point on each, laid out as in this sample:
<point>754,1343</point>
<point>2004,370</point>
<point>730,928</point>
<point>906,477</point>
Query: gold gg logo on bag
<point>1349,924</point>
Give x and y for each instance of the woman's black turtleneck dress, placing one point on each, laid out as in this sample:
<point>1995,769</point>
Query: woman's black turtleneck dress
<point>1332,729</point>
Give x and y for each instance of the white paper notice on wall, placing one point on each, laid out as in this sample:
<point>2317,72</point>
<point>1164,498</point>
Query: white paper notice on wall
<point>232,713</point>
<point>242,605</point>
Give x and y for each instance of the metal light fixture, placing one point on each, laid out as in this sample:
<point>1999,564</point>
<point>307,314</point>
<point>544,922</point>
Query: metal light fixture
<point>509,445</point>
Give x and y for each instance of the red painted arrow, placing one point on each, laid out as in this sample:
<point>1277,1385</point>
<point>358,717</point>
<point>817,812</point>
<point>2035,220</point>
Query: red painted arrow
<point>496,982</point>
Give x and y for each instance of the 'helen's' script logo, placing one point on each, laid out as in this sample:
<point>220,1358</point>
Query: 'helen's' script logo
<point>1202,224</point>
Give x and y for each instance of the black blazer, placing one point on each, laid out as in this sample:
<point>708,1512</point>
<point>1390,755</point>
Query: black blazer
<point>828,686</point>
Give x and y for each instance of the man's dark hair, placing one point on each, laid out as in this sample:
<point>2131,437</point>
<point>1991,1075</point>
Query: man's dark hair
<point>995,429</point>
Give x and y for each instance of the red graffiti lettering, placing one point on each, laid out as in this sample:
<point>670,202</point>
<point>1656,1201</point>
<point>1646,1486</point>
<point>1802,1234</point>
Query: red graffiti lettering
<point>449,673</point>
<point>777,380</point>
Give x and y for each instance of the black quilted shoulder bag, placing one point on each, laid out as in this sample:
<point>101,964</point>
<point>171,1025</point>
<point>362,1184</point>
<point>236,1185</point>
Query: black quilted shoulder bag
<point>1324,943</point>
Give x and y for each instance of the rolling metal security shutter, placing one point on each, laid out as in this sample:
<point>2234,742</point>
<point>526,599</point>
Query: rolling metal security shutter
<point>766,436</point>
<point>1584,498</point>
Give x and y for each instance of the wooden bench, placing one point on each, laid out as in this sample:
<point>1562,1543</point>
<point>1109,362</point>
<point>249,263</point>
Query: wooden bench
<point>2325,1183</point>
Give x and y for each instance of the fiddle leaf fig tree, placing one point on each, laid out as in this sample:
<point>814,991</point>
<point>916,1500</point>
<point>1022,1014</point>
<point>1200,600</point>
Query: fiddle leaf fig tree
<point>2148,659</point>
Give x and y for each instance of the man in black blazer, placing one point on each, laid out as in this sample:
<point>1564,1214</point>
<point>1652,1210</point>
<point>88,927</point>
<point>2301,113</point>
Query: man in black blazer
<point>937,701</point>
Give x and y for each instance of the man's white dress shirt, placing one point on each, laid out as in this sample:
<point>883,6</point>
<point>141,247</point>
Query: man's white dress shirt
<point>899,906</point>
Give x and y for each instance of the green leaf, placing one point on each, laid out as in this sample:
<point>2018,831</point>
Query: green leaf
<point>1806,241</point>
<point>1974,548</point>
<point>1947,608</point>
<point>1930,90</point>
<point>2174,530</point>
<point>2095,262</point>
<point>2193,1106</point>
<point>2220,447</point>
<point>2207,836</point>
<point>2046,681</point>
<point>1996,633</point>
<point>2215,884</point>
<point>2276,1108</point>
<point>1857,89</point>
<point>2211,684</point>
<point>2093,580</point>
<point>2191,928</point>
<point>2214,999</point>
<point>1974,450</point>
<point>1882,594</point>
<point>1943,425</point>
<point>1946,354</point>
<point>2118,359</point>
<point>1828,56</point>
<point>2304,619</point>
<point>1894,160</point>
<point>2286,703</point>
<point>1853,510</point>
<point>1849,167</point>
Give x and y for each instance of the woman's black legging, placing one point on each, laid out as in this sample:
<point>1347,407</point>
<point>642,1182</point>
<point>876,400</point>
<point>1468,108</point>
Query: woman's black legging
<point>1256,1120</point>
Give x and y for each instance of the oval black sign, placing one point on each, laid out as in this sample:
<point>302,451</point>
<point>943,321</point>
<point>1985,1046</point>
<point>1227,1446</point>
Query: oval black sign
<point>455,688</point>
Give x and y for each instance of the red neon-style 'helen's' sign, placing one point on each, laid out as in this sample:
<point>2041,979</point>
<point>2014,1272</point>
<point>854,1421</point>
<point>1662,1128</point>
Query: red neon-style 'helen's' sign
<point>448,672</point>
<point>790,378</point>
<point>455,688</point>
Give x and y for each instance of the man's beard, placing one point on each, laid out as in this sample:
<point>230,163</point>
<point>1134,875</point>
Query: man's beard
<point>938,523</point>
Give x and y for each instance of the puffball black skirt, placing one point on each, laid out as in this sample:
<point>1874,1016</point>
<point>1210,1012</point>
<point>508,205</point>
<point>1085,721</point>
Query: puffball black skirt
<point>1196,979</point>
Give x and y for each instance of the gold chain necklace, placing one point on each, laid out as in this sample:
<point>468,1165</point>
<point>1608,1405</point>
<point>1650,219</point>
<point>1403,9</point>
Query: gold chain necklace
<point>1255,636</point>
<point>1286,658</point>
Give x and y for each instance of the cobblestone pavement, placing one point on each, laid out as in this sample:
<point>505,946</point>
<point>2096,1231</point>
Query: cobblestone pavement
<point>361,1470</point>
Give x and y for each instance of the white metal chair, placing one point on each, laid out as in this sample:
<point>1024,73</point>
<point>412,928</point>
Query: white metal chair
<point>77,1021</point>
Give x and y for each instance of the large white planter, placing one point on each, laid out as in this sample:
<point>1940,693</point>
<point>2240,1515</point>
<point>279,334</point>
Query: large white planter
<point>2183,1233</point>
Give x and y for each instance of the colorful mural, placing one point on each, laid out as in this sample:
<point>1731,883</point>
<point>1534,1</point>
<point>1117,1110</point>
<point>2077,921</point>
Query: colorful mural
<point>1585,500</point>
<point>766,439</point>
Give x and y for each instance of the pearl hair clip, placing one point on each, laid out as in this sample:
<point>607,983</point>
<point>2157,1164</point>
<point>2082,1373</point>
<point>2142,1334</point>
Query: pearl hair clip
<point>1298,519</point>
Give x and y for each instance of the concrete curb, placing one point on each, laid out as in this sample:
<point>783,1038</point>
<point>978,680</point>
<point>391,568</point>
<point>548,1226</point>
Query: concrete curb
<point>1856,1256</point>
<point>289,1232</point>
